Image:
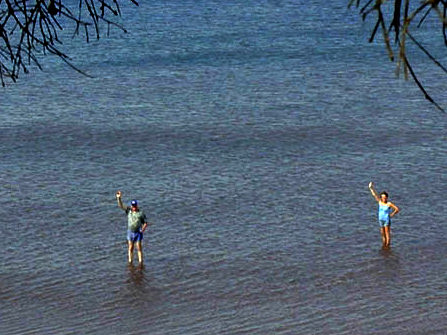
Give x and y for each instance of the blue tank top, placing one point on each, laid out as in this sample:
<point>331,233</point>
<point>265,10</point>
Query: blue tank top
<point>384,212</point>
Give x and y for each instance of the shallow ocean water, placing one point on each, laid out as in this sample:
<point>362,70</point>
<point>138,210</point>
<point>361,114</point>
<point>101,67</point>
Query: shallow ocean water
<point>249,133</point>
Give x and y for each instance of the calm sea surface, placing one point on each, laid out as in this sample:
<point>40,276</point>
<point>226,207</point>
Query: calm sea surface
<point>249,132</point>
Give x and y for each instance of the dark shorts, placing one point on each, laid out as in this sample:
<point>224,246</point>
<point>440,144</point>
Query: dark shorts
<point>134,236</point>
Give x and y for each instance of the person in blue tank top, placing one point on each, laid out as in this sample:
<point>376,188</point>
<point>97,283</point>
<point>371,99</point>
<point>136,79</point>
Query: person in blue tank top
<point>386,211</point>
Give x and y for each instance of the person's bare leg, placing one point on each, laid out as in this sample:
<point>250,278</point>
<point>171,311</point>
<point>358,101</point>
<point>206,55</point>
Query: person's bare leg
<point>140,252</point>
<point>130,252</point>
<point>387,236</point>
<point>382,232</point>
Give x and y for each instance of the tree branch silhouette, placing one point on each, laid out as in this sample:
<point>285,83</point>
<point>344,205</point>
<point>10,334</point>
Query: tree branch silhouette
<point>402,17</point>
<point>29,28</point>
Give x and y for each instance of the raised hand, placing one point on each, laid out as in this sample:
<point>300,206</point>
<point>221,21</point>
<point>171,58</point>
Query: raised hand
<point>118,194</point>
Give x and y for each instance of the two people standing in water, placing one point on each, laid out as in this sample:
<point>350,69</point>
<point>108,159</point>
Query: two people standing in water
<point>386,211</point>
<point>137,222</point>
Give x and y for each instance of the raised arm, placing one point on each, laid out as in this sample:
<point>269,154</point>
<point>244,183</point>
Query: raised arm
<point>373,192</point>
<point>120,201</point>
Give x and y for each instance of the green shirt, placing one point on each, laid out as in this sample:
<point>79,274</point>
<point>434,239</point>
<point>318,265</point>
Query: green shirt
<point>135,220</point>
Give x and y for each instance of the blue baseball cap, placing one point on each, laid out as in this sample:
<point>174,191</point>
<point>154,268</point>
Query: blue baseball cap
<point>134,203</point>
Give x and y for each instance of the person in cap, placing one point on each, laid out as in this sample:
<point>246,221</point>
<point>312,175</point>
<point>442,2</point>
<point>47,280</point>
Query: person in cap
<point>136,225</point>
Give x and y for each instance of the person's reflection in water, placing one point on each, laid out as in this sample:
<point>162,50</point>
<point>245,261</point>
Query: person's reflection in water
<point>136,275</point>
<point>390,267</point>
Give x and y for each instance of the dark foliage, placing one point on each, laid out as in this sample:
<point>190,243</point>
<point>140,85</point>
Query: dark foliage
<point>398,22</point>
<point>31,27</point>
